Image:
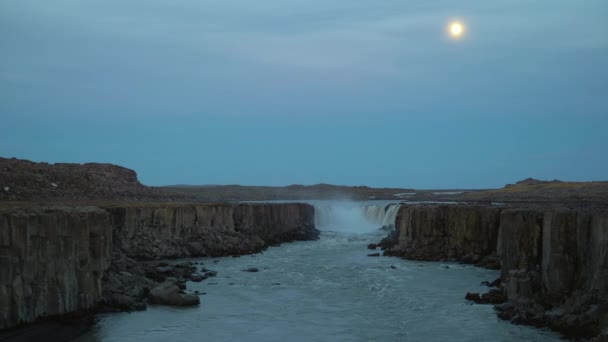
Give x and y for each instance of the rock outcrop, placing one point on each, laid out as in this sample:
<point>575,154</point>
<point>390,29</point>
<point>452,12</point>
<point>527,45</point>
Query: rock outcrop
<point>168,293</point>
<point>554,261</point>
<point>51,261</point>
<point>61,259</point>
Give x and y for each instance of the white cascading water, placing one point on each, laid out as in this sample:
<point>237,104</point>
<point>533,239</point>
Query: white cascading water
<point>382,215</point>
<point>353,218</point>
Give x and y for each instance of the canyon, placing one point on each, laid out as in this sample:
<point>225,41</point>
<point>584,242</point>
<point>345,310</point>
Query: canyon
<point>83,238</point>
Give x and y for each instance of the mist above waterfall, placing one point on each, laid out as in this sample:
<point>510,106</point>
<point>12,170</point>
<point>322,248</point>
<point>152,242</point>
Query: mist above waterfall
<point>354,217</point>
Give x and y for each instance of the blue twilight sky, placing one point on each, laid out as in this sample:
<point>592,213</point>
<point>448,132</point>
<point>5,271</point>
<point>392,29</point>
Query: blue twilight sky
<point>278,92</point>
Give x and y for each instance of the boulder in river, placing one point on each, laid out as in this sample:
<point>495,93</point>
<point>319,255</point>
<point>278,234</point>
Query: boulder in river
<point>494,296</point>
<point>197,278</point>
<point>168,293</point>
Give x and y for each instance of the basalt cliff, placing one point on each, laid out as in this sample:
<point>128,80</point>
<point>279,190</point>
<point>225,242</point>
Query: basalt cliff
<point>553,261</point>
<point>62,259</point>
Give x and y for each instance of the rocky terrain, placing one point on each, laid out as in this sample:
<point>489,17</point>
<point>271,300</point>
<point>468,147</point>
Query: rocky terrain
<point>553,260</point>
<point>23,180</point>
<point>549,192</point>
<point>62,259</point>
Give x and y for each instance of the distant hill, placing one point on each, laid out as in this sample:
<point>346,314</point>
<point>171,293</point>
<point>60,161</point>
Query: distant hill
<point>533,190</point>
<point>24,180</point>
<point>291,192</point>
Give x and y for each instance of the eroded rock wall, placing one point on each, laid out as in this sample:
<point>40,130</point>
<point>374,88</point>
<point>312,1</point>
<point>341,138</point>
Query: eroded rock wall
<point>209,229</point>
<point>555,268</point>
<point>466,233</point>
<point>51,261</point>
<point>554,261</point>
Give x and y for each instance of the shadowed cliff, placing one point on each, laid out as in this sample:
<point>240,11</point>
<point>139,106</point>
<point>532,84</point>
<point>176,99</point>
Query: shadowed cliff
<point>55,260</point>
<point>553,260</point>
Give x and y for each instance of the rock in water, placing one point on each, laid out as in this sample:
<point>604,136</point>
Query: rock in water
<point>197,278</point>
<point>473,297</point>
<point>494,296</point>
<point>168,293</point>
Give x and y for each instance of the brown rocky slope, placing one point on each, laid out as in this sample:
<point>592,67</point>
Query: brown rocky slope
<point>23,180</point>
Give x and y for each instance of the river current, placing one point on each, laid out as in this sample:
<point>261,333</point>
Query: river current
<point>326,290</point>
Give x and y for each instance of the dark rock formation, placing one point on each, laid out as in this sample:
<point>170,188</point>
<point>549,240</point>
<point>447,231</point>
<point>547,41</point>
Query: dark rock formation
<point>51,261</point>
<point>168,293</point>
<point>495,283</point>
<point>554,261</point>
<point>125,284</point>
<point>555,265</point>
<point>388,242</point>
<point>148,232</point>
<point>57,260</point>
<point>494,296</point>
<point>465,233</point>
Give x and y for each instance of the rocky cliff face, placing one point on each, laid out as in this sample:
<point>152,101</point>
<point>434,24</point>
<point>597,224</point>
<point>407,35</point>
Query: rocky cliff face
<point>210,229</point>
<point>554,261</point>
<point>555,268</point>
<point>53,259</point>
<point>466,233</point>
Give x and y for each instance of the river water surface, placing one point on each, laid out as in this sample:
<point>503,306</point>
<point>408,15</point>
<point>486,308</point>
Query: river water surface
<point>326,290</point>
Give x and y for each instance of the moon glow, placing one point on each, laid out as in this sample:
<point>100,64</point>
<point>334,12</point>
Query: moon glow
<point>456,29</point>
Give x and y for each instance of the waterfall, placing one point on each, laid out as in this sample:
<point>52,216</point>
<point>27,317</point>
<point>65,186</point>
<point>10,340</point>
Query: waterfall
<point>383,216</point>
<point>353,217</point>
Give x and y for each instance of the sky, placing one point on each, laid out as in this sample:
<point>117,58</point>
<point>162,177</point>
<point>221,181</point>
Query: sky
<point>306,91</point>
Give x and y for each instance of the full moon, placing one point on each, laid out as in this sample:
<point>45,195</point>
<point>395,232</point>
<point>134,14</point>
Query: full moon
<point>456,29</point>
